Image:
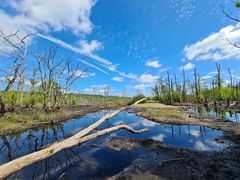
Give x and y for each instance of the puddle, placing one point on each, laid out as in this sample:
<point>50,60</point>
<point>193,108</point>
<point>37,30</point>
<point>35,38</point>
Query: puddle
<point>98,162</point>
<point>217,113</point>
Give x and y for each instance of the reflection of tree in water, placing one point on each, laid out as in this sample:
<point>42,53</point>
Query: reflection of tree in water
<point>14,146</point>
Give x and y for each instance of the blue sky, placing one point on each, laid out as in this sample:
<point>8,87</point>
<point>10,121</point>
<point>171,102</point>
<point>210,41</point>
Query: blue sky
<point>130,43</point>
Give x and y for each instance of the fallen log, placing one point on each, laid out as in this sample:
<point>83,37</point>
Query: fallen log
<point>19,163</point>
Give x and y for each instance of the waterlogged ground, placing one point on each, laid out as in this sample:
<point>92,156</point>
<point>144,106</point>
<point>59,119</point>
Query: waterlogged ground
<point>95,159</point>
<point>217,113</point>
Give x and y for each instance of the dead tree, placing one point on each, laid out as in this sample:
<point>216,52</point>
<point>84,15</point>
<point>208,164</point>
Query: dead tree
<point>178,89</point>
<point>196,84</point>
<point>74,72</point>
<point>50,69</point>
<point>106,90</point>
<point>21,81</point>
<point>218,76</point>
<point>14,49</point>
<point>214,93</point>
<point>184,86</point>
<point>79,138</point>
<point>169,88</point>
<point>231,84</point>
<point>16,53</point>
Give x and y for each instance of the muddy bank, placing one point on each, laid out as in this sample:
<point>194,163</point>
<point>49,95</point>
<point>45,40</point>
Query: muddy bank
<point>159,161</point>
<point>233,106</point>
<point>63,115</point>
<point>231,129</point>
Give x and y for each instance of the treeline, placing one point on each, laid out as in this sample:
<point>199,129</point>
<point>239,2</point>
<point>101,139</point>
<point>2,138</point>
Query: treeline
<point>198,90</point>
<point>15,99</point>
<point>47,73</point>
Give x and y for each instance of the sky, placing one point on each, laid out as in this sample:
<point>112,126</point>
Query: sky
<point>129,44</point>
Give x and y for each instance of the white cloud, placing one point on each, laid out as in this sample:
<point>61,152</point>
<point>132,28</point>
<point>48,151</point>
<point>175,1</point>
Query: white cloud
<point>183,9</point>
<point>130,75</point>
<point>148,78</point>
<point>89,48</point>
<point>216,47</point>
<point>45,15</point>
<point>83,74</point>
<point>118,79</point>
<point>142,86</point>
<point>187,67</point>
<point>153,63</point>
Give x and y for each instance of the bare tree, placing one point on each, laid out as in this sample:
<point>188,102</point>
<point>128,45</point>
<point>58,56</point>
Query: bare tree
<point>13,47</point>
<point>218,76</point>
<point>50,68</point>
<point>16,52</point>
<point>184,86</point>
<point>73,73</point>
<point>106,90</point>
<point>231,83</point>
<point>169,88</point>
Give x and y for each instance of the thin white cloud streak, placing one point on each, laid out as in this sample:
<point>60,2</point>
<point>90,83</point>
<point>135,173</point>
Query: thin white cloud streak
<point>103,62</point>
<point>91,65</point>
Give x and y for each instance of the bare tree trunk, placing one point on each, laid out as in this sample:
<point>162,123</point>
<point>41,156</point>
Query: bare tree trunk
<point>184,86</point>
<point>231,83</point>
<point>169,89</point>
<point>214,93</point>
<point>17,164</point>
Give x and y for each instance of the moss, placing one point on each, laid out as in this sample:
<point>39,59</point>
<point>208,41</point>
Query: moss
<point>164,113</point>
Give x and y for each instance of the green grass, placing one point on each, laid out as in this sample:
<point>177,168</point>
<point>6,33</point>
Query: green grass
<point>15,120</point>
<point>163,113</point>
<point>153,105</point>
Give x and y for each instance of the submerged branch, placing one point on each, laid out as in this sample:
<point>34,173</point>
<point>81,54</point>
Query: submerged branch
<point>17,164</point>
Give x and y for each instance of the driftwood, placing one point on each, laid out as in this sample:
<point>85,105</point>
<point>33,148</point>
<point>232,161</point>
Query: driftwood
<point>17,164</point>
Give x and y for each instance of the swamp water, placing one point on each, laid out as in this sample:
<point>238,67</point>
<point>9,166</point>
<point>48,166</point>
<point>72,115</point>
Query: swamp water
<point>217,113</point>
<point>94,160</point>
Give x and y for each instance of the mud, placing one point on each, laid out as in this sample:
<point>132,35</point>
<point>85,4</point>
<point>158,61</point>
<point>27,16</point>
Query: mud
<point>167,162</point>
<point>64,115</point>
<point>230,129</point>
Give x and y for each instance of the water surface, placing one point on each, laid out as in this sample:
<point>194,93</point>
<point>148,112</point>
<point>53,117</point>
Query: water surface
<point>98,162</point>
<point>217,113</point>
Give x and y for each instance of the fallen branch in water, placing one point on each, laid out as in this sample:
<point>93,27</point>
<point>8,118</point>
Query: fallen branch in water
<point>17,164</point>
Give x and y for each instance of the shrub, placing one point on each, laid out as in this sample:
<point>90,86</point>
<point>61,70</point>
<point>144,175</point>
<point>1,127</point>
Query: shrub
<point>136,98</point>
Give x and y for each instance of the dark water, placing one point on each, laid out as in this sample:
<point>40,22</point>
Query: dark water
<point>90,162</point>
<point>217,113</point>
